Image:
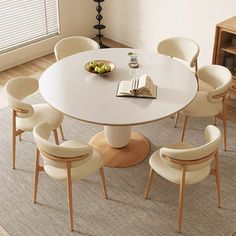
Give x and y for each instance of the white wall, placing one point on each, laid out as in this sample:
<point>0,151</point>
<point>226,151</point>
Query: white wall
<point>77,17</point>
<point>143,23</point>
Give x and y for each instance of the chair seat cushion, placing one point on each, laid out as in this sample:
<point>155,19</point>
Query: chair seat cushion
<point>201,107</point>
<point>42,113</point>
<point>172,174</point>
<point>79,172</point>
<point>203,86</point>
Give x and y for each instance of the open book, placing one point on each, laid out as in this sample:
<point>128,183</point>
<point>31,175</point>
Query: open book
<point>137,87</point>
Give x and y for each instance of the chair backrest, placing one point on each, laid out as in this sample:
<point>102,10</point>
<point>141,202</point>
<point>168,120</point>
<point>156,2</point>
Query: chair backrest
<point>16,90</point>
<point>72,45</point>
<point>201,155</point>
<point>219,77</point>
<point>181,48</point>
<point>57,155</point>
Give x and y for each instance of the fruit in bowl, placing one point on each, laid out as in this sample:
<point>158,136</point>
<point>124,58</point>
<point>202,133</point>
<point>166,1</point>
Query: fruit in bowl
<point>99,66</point>
<point>93,64</point>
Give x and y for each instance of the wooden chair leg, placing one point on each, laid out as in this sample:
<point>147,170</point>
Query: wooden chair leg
<point>184,128</point>
<point>225,125</point>
<point>148,186</point>
<point>56,136</point>
<point>217,175</point>
<point>13,139</point>
<point>20,139</point>
<point>69,191</point>
<point>196,69</point>
<point>62,133</point>
<point>176,119</point>
<point>36,176</point>
<point>103,182</point>
<point>181,199</point>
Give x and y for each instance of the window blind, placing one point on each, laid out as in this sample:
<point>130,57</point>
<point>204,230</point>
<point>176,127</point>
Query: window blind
<point>26,21</point>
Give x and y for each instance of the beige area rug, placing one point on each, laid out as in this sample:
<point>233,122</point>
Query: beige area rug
<point>125,213</point>
<point>3,232</point>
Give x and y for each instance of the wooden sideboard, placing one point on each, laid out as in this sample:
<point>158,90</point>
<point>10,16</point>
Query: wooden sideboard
<point>224,53</point>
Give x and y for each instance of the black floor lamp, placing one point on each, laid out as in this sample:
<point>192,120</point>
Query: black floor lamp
<point>99,26</point>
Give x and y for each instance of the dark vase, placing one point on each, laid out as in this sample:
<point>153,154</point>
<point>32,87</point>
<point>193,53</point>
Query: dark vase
<point>99,26</point>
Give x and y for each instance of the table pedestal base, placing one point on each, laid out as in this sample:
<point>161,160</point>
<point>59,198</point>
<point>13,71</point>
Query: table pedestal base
<point>136,151</point>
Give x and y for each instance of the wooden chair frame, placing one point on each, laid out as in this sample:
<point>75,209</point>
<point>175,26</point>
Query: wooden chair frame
<point>18,132</point>
<point>68,161</point>
<point>184,164</point>
<point>195,73</point>
<point>224,118</point>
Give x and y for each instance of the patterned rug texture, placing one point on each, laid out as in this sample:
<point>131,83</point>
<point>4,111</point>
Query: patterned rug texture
<point>126,212</point>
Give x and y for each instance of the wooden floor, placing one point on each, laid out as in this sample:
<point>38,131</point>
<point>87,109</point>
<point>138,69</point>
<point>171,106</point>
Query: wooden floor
<point>33,68</point>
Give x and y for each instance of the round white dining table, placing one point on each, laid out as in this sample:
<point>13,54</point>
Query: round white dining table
<point>74,91</point>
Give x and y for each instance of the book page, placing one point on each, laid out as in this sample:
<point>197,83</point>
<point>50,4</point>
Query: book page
<point>143,81</point>
<point>145,85</point>
<point>137,87</point>
<point>125,88</point>
<point>134,84</point>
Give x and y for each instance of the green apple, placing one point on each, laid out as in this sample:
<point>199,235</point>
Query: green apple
<point>93,64</point>
<point>100,64</point>
<point>96,69</point>
<point>107,68</point>
<point>101,71</point>
<point>103,67</point>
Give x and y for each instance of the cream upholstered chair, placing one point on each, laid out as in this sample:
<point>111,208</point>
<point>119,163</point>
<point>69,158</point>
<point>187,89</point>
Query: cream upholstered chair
<point>25,116</point>
<point>72,45</point>
<point>213,102</point>
<point>72,159</point>
<point>181,48</point>
<point>184,164</point>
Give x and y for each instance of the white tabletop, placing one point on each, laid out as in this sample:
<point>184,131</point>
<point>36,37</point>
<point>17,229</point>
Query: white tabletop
<point>69,88</point>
